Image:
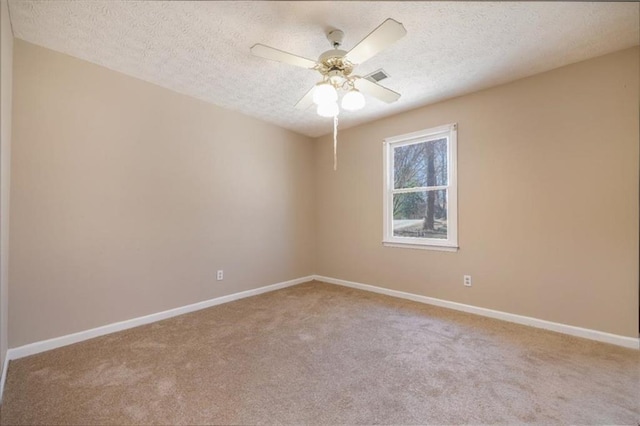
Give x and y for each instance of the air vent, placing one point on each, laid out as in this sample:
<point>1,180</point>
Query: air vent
<point>377,76</point>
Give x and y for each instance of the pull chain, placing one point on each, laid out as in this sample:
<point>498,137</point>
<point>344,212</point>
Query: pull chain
<point>335,142</point>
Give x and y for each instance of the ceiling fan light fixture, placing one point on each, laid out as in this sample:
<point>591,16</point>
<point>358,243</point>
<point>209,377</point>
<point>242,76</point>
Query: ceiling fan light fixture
<point>353,100</point>
<point>324,93</point>
<point>329,109</point>
<point>336,80</point>
<point>336,77</point>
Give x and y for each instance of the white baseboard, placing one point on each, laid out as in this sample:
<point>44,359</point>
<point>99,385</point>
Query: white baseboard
<point>57,342</point>
<point>600,336</point>
<point>5,366</point>
<point>45,345</point>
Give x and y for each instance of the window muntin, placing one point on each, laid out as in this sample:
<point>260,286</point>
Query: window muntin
<point>420,198</point>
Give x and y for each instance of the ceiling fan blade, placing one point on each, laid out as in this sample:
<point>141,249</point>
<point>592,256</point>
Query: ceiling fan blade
<point>375,90</point>
<point>379,39</point>
<point>307,100</point>
<point>278,55</point>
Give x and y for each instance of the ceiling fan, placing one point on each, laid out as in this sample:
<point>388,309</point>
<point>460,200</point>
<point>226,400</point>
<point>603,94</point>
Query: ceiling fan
<point>336,68</point>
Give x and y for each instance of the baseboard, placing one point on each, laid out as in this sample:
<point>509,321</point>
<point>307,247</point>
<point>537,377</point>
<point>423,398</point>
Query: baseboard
<point>45,345</point>
<point>600,336</point>
<point>5,366</point>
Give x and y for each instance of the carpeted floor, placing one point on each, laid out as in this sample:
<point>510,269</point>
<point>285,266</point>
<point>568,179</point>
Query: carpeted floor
<point>322,354</point>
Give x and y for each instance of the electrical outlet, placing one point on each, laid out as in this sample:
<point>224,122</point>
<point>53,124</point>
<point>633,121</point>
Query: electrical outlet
<point>467,280</point>
<point>220,275</point>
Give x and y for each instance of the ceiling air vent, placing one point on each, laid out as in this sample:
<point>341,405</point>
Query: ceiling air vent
<point>377,76</point>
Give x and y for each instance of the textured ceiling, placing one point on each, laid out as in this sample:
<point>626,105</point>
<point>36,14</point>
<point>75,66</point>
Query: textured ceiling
<point>202,48</point>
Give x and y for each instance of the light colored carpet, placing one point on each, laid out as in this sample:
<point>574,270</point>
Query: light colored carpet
<point>323,354</point>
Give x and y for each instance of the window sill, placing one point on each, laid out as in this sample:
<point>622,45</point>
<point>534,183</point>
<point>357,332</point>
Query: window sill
<point>420,246</point>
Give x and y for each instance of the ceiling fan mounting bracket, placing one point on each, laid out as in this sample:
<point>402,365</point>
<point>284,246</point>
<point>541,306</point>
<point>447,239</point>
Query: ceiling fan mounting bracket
<point>335,37</point>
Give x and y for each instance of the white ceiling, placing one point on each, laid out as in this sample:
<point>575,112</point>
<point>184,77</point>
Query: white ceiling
<point>202,48</point>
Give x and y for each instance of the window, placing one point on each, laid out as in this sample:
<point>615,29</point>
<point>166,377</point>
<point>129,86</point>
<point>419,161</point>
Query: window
<point>420,190</point>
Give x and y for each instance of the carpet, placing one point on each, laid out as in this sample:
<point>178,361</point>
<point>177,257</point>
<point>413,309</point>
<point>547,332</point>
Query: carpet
<point>322,354</point>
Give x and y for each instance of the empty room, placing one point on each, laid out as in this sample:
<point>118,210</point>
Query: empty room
<point>292,212</point>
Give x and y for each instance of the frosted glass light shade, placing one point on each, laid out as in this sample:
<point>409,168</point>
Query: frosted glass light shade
<point>324,93</point>
<point>336,79</point>
<point>329,109</point>
<point>353,100</point>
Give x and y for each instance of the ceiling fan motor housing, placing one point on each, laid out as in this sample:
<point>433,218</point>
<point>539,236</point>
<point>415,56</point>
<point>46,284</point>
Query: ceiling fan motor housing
<point>333,63</point>
<point>331,54</point>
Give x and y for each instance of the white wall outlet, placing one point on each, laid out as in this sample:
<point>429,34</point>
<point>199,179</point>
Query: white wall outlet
<point>467,280</point>
<point>220,275</point>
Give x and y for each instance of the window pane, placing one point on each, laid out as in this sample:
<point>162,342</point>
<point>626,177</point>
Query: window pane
<point>420,214</point>
<point>420,164</point>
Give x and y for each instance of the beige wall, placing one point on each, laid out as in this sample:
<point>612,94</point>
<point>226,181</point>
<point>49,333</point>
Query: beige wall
<point>127,197</point>
<point>548,199</point>
<point>6,70</point>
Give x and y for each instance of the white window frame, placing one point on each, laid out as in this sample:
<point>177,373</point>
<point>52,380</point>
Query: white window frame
<point>389,240</point>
